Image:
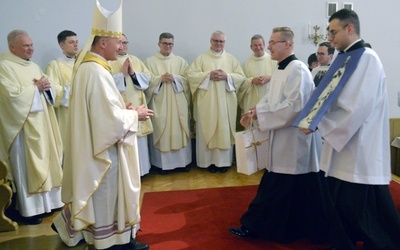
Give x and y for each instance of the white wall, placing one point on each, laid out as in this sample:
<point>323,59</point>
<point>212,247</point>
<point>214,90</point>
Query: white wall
<point>193,21</point>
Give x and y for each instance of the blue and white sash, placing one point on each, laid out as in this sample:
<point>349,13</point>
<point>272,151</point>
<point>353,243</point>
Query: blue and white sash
<point>328,89</point>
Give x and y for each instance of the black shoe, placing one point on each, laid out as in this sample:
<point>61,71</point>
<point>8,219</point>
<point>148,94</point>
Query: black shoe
<point>163,172</point>
<point>133,245</point>
<point>212,169</point>
<point>241,232</point>
<point>54,227</point>
<point>33,220</point>
<point>223,169</point>
<point>141,246</point>
<point>185,169</point>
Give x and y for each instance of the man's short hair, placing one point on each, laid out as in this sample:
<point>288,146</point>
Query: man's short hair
<point>312,58</point>
<point>287,33</point>
<point>64,34</point>
<point>165,35</point>
<point>97,39</point>
<point>218,32</point>
<point>256,37</point>
<point>331,50</point>
<point>13,35</point>
<point>346,16</point>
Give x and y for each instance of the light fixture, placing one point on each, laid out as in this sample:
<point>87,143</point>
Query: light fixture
<point>315,37</point>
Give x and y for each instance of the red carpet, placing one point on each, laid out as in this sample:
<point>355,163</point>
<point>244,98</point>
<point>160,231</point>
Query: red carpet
<point>395,191</point>
<point>198,219</point>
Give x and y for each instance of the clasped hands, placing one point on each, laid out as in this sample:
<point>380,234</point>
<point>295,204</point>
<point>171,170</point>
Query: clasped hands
<point>248,117</point>
<point>42,84</point>
<point>218,75</point>
<point>143,112</point>
<point>127,68</point>
<point>167,78</point>
<point>260,80</point>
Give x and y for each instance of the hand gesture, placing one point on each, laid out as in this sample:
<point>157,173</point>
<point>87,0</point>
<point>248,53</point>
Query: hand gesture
<point>42,84</point>
<point>127,68</point>
<point>306,131</point>
<point>218,75</point>
<point>260,80</point>
<point>167,77</point>
<point>144,113</point>
<point>248,117</point>
<point>129,106</point>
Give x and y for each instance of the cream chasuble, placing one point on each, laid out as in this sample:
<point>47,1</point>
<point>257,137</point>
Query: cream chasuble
<point>43,146</point>
<point>133,94</point>
<point>60,73</point>
<point>171,108</point>
<point>98,121</point>
<point>249,94</point>
<point>216,107</point>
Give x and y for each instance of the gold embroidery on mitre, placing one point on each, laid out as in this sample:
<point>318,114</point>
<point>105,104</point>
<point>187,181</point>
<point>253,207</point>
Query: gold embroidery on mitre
<point>98,32</point>
<point>107,23</point>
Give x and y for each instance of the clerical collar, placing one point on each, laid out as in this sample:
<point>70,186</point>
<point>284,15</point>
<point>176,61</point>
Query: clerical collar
<point>67,58</point>
<point>285,62</point>
<point>165,55</point>
<point>355,45</point>
<point>259,56</point>
<point>217,53</point>
<point>122,54</point>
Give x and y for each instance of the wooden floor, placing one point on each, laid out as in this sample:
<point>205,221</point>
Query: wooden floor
<point>42,236</point>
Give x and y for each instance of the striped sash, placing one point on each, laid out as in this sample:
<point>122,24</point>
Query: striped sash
<point>328,89</point>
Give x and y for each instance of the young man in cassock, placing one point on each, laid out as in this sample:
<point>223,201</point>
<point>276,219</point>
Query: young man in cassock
<point>60,73</point>
<point>350,110</point>
<point>291,200</point>
<point>324,56</point>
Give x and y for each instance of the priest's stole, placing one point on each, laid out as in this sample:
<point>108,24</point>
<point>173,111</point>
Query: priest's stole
<point>328,89</point>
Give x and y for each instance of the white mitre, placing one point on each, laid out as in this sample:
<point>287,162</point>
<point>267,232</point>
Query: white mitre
<point>105,23</point>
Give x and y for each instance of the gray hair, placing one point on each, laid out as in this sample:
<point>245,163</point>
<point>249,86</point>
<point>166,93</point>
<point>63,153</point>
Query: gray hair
<point>218,32</point>
<point>256,37</point>
<point>14,35</point>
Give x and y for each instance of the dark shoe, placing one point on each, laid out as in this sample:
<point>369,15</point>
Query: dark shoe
<point>212,169</point>
<point>185,169</point>
<point>141,246</point>
<point>241,232</point>
<point>33,220</point>
<point>54,227</point>
<point>163,172</point>
<point>133,245</point>
<point>223,169</point>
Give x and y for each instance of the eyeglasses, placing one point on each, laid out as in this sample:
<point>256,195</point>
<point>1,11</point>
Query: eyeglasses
<point>125,43</point>
<point>320,54</point>
<point>218,41</point>
<point>272,43</point>
<point>167,44</point>
<point>332,33</point>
